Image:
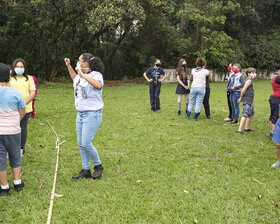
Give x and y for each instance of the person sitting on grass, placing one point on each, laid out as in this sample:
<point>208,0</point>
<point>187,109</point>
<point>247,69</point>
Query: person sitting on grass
<point>247,97</point>
<point>276,139</point>
<point>12,110</point>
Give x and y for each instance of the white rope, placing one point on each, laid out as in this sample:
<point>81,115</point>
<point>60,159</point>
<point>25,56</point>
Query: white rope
<point>55,174</point>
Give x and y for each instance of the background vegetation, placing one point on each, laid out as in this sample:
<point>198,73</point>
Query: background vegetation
<point>159,167</point>
<point>129,34</point>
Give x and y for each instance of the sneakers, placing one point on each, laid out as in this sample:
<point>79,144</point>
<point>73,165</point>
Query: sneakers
<point>22,151</point>
<point>83,173</point>
<point>4,192</point>
<point>97,171</point>
<point>249,129</point>
<point>19,187</point>
<point>276,165</point>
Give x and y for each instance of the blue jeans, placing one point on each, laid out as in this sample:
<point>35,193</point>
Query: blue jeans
<point>87,124</point>
<point>234,96</point>
<point>196,98</point>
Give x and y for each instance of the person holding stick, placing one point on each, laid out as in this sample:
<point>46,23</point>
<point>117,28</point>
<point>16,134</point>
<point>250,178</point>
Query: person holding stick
<point>88,83</point>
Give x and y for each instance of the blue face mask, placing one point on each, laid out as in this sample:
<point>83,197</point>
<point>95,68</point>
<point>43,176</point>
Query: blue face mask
<point>19,71</point>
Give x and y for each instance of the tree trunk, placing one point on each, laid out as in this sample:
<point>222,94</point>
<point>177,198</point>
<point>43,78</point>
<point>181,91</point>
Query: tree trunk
<point>54,61</point>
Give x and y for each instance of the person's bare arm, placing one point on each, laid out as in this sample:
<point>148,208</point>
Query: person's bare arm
<point>146,77</point>
<point>31,96</point>
<point>181,83</point>
<point>247,84</point>
<point>162,78</point>
<point>210,79</point>
<point>95,83</point>
<point>191,78</point>
<point>21,113</point>
<point>71,71</point>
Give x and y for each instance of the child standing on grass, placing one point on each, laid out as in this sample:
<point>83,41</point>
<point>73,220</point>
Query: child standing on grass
<point>12,110</point>
<point>183,84</point>
<point>276,139</point>
<point>155,84</point>
<point>247,97</point>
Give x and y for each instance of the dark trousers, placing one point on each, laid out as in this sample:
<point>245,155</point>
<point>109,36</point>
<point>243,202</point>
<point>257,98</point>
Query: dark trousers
<point>229,106</point>
<point>23,125</point>
<point>206,102</point>
<point>154,95</point>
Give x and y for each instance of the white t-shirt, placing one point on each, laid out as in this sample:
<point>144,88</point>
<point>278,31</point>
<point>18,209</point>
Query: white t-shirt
<point>87,98</point>
<point>199,77</point>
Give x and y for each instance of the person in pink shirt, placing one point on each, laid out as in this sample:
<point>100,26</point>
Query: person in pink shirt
<point>12,110</point>
<point>32,115</point>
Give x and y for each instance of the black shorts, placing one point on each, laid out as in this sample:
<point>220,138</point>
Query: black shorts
<point>274,109</point>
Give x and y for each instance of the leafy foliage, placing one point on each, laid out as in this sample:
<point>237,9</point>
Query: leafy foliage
<point>129,34</point>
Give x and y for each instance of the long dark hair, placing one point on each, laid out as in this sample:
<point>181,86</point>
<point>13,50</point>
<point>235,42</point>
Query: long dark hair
<point>180,68</point>
<point>25,74</point>
<point>95,63</point>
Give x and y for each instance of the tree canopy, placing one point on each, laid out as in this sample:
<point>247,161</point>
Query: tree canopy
<point>128,34</point>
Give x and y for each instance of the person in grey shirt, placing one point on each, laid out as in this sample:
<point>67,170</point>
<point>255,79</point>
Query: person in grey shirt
<point>247,97</point>
<point>236,82</point>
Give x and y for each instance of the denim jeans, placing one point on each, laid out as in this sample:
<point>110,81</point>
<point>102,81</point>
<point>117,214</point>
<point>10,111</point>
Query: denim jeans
<point>196,97</point>
<point>234,96</point>
<point>87,124</point>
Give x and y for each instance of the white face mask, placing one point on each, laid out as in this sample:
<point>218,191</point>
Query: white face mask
<point>254,75</point>
<point>78,65</point>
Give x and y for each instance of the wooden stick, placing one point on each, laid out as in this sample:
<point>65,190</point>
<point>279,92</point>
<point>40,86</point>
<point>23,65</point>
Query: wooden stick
<point>55,175</point>
<point>257,181</point>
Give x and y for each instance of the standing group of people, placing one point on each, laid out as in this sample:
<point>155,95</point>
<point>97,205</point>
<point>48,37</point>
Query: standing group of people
<point>18,92</point>
<point>197,95</point>
<point>238,90</point>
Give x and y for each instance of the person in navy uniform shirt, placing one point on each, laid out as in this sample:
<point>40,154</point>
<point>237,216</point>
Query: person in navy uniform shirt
<point>155,80</point>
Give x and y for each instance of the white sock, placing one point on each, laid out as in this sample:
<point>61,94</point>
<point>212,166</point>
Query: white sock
<point>17,182</point>
<point>5,187</point>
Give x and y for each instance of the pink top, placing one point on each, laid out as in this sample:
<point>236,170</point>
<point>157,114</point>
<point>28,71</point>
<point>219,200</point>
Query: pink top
<point>35,80</point>
<point>199,77</point>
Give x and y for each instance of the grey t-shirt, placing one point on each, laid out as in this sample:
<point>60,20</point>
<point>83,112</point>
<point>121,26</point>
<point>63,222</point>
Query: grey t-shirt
<point>249,94</point>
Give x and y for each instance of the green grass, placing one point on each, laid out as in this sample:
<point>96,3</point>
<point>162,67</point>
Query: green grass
<point>159,167</point>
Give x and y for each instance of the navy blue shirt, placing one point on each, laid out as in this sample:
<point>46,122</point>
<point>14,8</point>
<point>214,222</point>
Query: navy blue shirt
<point>155,73</point>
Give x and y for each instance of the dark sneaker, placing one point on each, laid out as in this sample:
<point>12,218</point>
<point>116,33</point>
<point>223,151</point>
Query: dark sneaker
<point>249,129</point>
<point>208,117</point>
<point>82,174</point>
<point>240,132</point>
<point>19,187</point>
<point>179,112</point>
<point>97,171</point>
<point>4,192</point>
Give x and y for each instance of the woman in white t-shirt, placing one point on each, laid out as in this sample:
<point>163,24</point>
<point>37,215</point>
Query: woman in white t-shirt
<point>198,79</point>
<point>88,84</point>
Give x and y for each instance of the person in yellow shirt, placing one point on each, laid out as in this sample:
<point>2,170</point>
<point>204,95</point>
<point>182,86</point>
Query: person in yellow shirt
<point>24,83</point>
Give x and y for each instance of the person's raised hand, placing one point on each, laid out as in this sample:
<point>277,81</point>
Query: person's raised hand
<point>67,61</point>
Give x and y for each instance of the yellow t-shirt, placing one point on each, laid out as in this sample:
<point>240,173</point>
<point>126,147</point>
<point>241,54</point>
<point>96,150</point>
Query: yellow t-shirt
<point>24,87</point>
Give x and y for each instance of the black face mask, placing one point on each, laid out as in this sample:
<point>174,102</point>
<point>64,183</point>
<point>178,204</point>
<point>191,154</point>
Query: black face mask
<point>157,65</point>
<point>184,65</point>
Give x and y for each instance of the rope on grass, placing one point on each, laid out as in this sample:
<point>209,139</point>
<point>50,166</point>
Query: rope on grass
<point>55,174</point>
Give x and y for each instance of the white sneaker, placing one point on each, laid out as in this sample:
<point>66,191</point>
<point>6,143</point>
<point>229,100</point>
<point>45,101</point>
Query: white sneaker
<point>22,151</point>
<point>276,165</point>
<point>7,155</point>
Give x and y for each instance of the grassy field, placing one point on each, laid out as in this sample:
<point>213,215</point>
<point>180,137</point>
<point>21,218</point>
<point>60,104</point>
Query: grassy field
<point>159,167</point>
